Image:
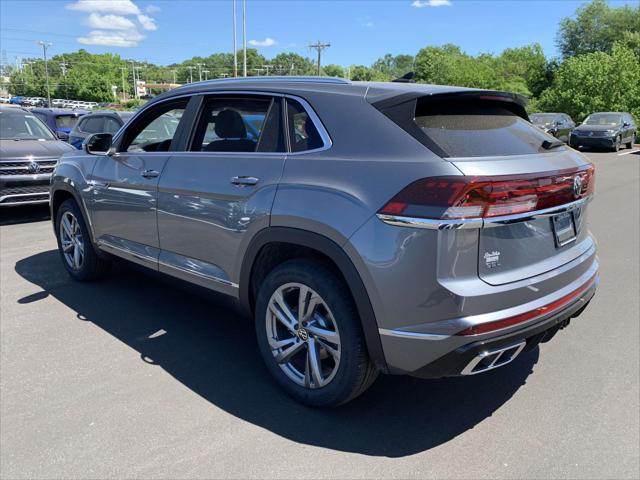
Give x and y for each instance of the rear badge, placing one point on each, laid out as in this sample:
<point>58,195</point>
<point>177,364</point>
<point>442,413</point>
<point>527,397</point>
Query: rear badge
<point>492,259</point>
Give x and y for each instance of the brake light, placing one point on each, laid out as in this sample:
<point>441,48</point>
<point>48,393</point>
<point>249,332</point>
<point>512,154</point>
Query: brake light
<point>523,317</point>
<point>485,197</point>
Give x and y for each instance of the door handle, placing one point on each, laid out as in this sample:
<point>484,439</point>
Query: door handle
<point>244,180</point>
<point>150,173</point>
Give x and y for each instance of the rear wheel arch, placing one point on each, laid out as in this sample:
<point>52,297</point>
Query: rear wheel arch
<point>274,245</point>
<point>59,196</point>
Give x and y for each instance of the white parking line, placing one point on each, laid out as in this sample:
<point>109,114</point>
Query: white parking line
<point>627,153</point>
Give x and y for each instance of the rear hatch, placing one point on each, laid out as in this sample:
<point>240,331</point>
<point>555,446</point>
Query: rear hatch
<point>529,191</point>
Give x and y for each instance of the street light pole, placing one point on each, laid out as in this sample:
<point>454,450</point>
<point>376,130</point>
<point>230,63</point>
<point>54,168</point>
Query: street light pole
<point>235,48</point>
<point>46,45</point>
<point>244,37</point>
<point>124,93</point>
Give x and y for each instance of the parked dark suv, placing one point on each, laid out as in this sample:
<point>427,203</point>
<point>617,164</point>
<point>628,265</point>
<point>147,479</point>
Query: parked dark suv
<point>60,120</point>
<point>608,130</point>
<point>28,153</point>
<point>559,125</point>
<point>97,122</point>
<point>367,227</point>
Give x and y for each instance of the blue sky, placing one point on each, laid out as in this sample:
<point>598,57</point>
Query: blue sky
<point>359,31</point>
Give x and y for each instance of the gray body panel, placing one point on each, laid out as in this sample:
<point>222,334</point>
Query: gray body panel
<point>423,285</point>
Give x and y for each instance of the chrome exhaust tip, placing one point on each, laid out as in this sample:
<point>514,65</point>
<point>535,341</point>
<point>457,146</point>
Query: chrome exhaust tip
<point>491,359</point>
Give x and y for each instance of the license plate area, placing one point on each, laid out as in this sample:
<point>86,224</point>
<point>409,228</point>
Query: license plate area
<point>564,228</point>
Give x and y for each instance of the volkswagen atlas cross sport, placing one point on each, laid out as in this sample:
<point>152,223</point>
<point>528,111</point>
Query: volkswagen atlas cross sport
<point>368,227</point>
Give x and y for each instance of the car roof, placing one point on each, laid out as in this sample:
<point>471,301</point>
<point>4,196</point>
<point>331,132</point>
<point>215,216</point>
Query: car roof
<point>60,111</point>
<point>110,113</point>
<point>373,91</point>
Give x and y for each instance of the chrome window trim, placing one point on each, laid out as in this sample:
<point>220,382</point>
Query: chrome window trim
<point>326,138</point>
<point>434,224</point>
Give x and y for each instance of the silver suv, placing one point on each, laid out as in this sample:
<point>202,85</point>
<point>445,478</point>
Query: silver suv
<point>366,227</point>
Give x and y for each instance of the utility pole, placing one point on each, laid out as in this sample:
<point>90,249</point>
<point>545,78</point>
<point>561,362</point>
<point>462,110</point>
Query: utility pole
<point>174,75</point>
<point>267,67</point>
<point>190,73</point>
<point>206,74</point>
<point>235,48</point>
<point>124,91</point>
<point>46,45</point>
<point>244,38</point>
<point>199,65</point>
<point>319,46</point>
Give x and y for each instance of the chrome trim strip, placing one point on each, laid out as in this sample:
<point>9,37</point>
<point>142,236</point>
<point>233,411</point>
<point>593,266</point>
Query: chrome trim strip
<point>32,194</point>
<point>412,335</point>
<point>139,256</point>
<point>433,224</point>
<point>199,274</point>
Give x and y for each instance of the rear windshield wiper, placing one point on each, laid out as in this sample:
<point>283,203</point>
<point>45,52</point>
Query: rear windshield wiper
<point>547,145</point>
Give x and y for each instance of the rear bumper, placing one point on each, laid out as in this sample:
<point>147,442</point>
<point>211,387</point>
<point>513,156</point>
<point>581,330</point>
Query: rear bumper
<point>19,190</point>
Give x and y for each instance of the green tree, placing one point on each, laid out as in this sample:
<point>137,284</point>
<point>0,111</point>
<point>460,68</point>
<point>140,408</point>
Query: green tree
<point>332,70</point>
<point>595,27</point>
<point>391,67</point>
<point>594,82</point>
<point>289,63</point>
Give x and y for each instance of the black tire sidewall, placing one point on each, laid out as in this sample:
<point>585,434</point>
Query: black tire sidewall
<point>333,291</point>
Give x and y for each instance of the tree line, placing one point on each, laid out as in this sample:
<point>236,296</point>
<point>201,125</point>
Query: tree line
<point>599,67</point>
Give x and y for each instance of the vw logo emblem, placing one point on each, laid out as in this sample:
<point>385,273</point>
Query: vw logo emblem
<point>577,186</point>
<point>303,334</point>
<point>33,167</point>
<point>591,134</point>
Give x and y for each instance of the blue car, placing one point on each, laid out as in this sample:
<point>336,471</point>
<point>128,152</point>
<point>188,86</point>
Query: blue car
<point>60,120</point>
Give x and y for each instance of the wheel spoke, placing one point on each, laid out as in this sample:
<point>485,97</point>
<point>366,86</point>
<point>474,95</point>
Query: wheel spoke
<point>277,344</point>
<point>76,257</point>
<point>66,225</point>
<point>282,312</point>
<point>331,350</point>
<point>287,354</point>
<point>325,334</point>
<point>314,362</point>
<point>66,246</point>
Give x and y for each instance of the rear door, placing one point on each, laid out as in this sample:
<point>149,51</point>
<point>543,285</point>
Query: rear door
<point>213,196</point>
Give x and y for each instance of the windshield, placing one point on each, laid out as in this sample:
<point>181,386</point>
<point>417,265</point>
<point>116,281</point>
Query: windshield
<point>66,121</point>
<point>23,127</point>
<point>542,118</point>
<point>603,119</point>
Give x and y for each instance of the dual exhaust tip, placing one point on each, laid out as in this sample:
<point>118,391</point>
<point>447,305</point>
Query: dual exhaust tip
<point>488,360</point>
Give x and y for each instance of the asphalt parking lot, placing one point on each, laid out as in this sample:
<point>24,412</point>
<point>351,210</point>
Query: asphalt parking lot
<point>137,377</point>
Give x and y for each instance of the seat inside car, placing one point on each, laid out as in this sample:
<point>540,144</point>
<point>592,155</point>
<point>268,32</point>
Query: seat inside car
<point>230,127</point>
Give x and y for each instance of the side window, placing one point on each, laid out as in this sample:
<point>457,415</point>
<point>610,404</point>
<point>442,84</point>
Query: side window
<point>303,134</point>
<point>93,124</point>
<point>42,117</point>
<point>111,125</point>
<point>154,131</point>
<point>236,124</point>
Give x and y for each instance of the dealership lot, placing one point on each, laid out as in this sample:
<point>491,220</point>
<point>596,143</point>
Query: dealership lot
<point>137,377</point>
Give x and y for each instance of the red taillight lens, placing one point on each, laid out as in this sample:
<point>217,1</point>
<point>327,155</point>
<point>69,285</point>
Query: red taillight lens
<point>533,314</point>
<point>485,197</point>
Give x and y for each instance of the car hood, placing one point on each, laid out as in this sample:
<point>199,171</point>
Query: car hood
<point>596,128</point>
<point>33,148</point>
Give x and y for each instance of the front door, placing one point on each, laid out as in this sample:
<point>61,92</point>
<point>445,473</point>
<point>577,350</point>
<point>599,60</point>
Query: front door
<point>125,186</point>
<point>212,196</point>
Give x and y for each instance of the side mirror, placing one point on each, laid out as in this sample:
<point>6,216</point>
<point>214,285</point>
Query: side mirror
<point>626,124</point>
<point>98,144</point>
<point>557,123</point>
<point>62,136</point>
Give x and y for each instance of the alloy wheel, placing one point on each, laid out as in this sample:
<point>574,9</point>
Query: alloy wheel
<point>303,335</point>
<point>71,241</point>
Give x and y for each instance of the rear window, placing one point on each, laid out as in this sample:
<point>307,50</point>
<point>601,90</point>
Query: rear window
<point>66,121</point>
<point>477,129</point>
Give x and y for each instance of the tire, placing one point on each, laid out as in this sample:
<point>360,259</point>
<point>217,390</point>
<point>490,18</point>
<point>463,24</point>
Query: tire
<point>632,140</point>
<point>73,239</point>
<point>331,328</point>
<point>617,144</point>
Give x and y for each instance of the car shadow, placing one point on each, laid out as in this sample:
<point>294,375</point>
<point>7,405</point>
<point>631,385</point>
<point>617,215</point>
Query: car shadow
<point>25,214</point>
<point>203,341</point>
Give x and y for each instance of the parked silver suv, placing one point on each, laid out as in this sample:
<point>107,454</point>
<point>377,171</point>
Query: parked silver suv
<point>367,227</point>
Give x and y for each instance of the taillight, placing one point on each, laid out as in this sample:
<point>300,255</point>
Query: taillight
<point>486,197</point>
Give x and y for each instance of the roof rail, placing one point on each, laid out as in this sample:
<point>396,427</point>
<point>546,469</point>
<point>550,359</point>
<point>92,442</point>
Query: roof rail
<point>292,78</point>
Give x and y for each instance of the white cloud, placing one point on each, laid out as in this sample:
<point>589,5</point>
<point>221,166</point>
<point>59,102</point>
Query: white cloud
<point>122,7</point>
<point>431,3</point>
<point>147,22</point>
<point>152,9</point>
<point>366,22</point>
<point>123,38</point>
<point>109,22</point>
<point>267,42</point>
